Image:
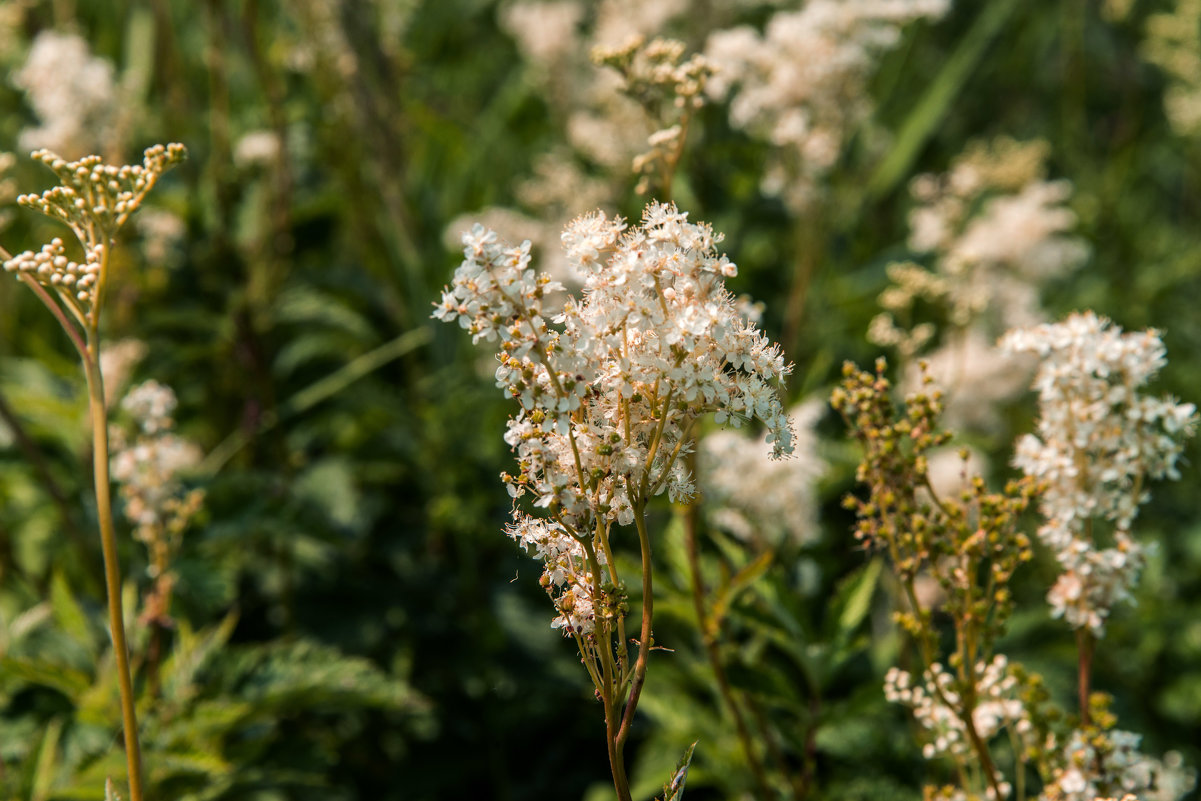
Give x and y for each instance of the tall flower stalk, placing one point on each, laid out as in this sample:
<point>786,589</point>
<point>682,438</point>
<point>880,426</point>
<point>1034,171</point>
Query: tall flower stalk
<point>94,200</point>
<point>609,398</point>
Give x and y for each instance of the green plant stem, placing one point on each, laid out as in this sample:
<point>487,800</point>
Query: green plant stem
<point>621,782</point>
<point>712,648</point>
<point>112,570</point>
<point>644,644</point>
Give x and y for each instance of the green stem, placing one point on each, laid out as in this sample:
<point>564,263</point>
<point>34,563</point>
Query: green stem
<point>713,650</point>
<point>112,570</point>
<point>644,645</point>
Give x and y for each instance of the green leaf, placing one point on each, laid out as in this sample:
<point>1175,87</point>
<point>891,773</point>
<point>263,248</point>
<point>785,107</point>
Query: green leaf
<point>858,600</point>
<point>730,589</point>
<point>47,761</point>
<point>674,789</point>
<point>932,108</point>
<point>71,683</point>
<point>69,614</point>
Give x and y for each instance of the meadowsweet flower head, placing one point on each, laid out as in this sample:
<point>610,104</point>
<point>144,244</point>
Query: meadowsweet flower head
<point>669,88</point>
<point>995,231</point>
<point>149,464</point>
<point>610,389</point>
<point>801,84</point>
<point>1098,440</point>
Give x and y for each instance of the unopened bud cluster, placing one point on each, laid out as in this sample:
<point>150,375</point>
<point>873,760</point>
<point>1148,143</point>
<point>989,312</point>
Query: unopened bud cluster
<point>669,89</point>
<point>94,199</point>
<point>51,268</point>
<point>99,194</point>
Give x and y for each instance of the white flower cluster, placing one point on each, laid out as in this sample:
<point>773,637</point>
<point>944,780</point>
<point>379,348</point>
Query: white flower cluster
<point>148,465</point>
<point>567,576</point>
<point>669,88</point>
<point>1098,440</point>
<point>996,231</point>
<point>1106,763</point>
<point>609,397</point>
<point>755,498</point>
<point>802,83</point>
<point>545,32</point>
<point>935,704</point>
<point>73,94</point>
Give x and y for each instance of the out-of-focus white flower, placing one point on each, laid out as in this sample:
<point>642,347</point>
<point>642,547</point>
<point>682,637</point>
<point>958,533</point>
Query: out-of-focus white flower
<point>257,149</point>
<point>545,31</point>
<point>149,465</point>
<point>73,94</point>
<point>997,704</point>
<point>802,83</point>
<point>975,377</point>
<point>1098,440</point>
<point>117,361</point>
<point>1173,43</point>
<point>1098,764</point>
<point>161,232</point>
<point>760,499</point>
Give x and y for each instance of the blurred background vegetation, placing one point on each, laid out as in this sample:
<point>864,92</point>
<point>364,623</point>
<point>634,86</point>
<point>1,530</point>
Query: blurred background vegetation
<point>349,621</point>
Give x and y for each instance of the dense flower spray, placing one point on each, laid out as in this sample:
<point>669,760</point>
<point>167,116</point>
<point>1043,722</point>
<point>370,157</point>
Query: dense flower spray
<point>1098,440</point>
<point>609,396</point>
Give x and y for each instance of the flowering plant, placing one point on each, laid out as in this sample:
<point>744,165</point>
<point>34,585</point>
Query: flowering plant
<point>609,399</point>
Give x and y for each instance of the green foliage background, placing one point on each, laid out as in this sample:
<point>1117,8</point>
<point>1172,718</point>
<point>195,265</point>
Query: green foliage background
<point>352,623</point>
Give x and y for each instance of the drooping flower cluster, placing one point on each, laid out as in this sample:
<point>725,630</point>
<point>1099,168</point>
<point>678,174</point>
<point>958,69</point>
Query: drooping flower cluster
<point>802,83</point>
<point>609,397</point>
<point>1099,439</point>
<point>72,92</point>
